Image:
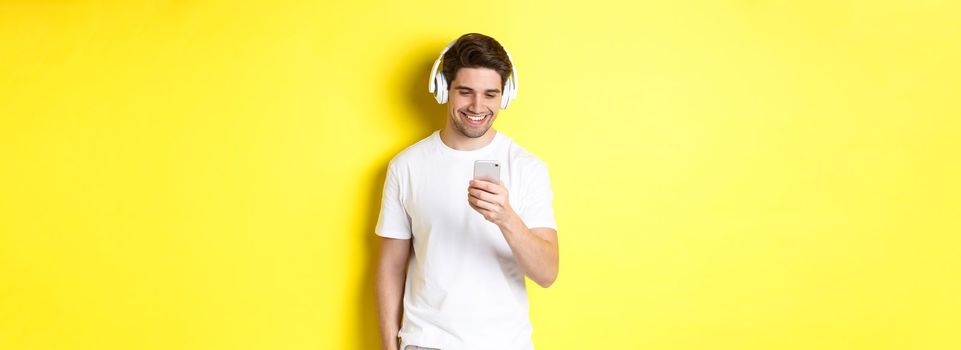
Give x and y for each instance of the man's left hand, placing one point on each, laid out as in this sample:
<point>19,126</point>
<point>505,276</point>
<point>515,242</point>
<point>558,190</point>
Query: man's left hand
<point>490,199</point>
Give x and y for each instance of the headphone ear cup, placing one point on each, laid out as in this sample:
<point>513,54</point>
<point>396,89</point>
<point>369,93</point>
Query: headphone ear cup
<point>506,97</point>
<point>441,88</point>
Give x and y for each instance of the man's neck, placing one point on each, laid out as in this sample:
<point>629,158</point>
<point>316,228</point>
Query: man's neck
<point>458,141</point>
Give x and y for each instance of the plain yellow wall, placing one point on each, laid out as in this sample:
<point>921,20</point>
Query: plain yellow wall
<point>728,174</point>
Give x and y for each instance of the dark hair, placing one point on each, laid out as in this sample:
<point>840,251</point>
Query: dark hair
<point>474,50</point>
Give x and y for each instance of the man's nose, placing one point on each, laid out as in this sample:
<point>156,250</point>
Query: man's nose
<point>477,104</point>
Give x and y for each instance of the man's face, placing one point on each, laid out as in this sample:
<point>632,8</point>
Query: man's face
<point>474,100</point>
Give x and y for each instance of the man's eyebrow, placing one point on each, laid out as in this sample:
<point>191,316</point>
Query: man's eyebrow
<point>461,87</point>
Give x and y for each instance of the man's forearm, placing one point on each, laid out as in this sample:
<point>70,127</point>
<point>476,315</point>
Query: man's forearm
<point>390,294</point>
<point>536,256</point>
<point>535,250</point>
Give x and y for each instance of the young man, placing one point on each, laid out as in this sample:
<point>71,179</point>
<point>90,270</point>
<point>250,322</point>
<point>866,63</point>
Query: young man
<point>455,250</point>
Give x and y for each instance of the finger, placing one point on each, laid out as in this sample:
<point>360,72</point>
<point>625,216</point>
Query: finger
<point>482,195</point>
<point>497,200</point>
<point>482,204</point>
<point>487,186</point>
<point>473,204</point>
<point>486,214</point>
<point>477,209</point>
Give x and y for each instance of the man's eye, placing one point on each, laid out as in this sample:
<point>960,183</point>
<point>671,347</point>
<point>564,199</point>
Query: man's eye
<point>490,96</point>
<point>464,93</point>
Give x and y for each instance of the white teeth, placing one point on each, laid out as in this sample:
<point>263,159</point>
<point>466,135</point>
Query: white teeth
<point>476,118</point>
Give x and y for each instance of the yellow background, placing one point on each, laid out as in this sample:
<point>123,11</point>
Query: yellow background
<point>728,174</point>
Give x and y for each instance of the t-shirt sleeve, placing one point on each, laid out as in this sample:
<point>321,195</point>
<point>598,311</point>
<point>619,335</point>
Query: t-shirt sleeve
<point>537,209</point>
<point>393,221</point>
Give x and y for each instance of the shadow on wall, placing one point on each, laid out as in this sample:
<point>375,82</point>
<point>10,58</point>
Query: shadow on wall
<point>429,116</point>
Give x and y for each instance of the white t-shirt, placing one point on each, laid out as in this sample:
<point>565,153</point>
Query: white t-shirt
<point>464,288</point>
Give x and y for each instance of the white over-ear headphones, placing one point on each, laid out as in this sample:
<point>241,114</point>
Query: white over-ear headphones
<point>438,84</point>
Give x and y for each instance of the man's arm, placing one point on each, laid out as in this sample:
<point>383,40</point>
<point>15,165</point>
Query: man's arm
<point>391,276</point>
<point>534,248</point>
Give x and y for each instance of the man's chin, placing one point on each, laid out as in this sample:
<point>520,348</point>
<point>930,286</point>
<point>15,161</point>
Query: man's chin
<point>473,132</point>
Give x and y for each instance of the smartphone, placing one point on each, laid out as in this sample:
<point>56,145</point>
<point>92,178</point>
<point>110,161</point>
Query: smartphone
<point>489,170</point>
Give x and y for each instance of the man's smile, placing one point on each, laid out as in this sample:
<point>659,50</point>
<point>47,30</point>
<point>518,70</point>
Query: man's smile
<point>475,119</point>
